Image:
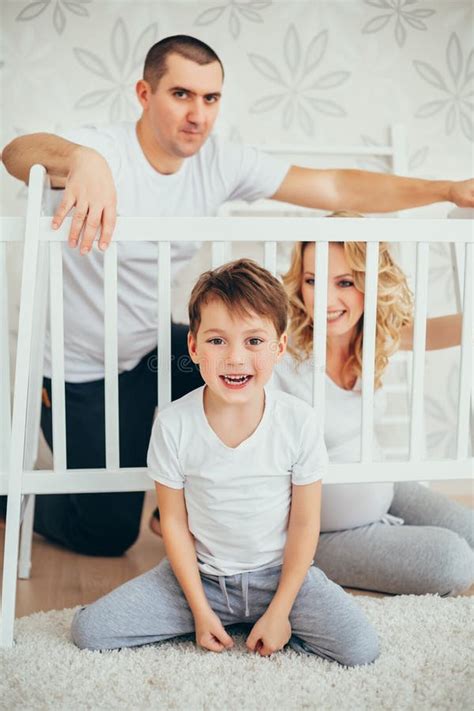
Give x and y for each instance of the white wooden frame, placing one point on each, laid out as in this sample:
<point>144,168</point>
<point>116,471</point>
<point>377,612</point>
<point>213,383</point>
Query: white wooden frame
<point>41,243</point>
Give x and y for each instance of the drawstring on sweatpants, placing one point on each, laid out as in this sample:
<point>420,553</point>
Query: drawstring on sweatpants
<point>224,592</point>
<point>245,592</point>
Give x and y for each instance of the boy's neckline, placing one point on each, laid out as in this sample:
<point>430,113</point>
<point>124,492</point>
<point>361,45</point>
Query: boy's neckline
<point>242,445</point>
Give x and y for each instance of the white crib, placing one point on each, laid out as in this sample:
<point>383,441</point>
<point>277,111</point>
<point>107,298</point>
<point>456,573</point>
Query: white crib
<point>42,274</point>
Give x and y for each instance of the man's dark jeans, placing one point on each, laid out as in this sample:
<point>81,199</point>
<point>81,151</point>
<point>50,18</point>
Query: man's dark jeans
<point>107,524</point>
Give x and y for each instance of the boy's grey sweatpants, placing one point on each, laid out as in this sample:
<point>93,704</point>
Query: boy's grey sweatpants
<point>325,620</point>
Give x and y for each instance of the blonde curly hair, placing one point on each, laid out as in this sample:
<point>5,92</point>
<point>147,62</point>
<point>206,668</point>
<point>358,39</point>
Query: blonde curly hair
<point>394,307</point>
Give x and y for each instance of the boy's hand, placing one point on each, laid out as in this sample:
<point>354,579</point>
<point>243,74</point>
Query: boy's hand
<point>210,632</point>
<point>269,634</point>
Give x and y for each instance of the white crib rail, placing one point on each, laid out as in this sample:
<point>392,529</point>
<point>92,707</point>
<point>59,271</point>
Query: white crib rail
<point>112,454</point>
<point>5,401</point>
<point>321,254</point>
<point>21,477</point>
<point>419,344</point>
<point>465,371</point>
<point>368,353</point>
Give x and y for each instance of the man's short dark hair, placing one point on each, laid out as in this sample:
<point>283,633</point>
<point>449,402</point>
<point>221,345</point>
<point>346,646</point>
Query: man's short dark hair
<point>184,45</point>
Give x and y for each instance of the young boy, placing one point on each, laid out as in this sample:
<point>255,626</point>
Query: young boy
<point>238,472</point>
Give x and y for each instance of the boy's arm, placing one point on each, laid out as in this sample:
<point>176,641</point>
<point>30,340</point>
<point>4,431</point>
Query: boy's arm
<point>272,631</point>
<point>441,332</point>
<point>181,552</point>
<point>82,171</point>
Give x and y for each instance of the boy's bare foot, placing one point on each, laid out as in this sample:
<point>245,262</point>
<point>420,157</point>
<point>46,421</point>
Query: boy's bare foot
<point>154,525</point>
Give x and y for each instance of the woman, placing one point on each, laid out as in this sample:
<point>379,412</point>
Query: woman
<point>401,538</point>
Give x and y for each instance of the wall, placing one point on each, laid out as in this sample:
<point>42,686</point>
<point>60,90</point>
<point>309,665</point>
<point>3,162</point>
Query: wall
<point>296,72</point>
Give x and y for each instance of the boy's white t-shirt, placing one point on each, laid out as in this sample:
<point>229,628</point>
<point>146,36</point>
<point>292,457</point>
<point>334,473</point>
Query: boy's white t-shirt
<point>343,506</point>
<point>220,171</point>
<point>237,499</point>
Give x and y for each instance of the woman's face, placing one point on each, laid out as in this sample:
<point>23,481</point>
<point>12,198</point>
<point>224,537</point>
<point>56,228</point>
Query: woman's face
<point>345,302</point>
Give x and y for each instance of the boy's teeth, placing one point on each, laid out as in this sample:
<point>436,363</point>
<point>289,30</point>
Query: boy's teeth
<point>236,378</point>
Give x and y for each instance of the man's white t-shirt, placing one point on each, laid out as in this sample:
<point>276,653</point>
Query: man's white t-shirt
<point>238,499</point>
<point>220,171</point>
<point>343,505</point>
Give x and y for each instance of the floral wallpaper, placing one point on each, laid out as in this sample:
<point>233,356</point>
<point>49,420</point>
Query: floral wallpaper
<point>313,72</point>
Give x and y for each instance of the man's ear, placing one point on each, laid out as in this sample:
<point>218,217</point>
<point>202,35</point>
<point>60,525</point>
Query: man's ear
<point>192,347</point>
<point>143,91</point>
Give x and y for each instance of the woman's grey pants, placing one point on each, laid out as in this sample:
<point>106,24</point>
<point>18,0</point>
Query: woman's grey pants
<point>325,620</point>
<point>430,553</point>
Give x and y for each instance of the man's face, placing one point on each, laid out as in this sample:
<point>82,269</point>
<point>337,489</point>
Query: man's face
<point>236,354</point>
<point>184,107</point>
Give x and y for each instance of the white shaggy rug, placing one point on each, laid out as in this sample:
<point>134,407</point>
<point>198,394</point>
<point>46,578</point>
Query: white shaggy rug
<point>425,663</point>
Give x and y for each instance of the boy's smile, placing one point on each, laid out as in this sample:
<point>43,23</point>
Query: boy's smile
<point>235,382</point>
<point>236,352</point>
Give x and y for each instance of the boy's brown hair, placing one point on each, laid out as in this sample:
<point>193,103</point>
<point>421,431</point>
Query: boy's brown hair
<point>243,286</point>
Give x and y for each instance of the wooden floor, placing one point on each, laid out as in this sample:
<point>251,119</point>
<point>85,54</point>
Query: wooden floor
<point>62,579</point>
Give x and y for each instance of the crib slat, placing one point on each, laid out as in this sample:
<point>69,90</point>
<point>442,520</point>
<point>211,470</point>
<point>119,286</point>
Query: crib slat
<point>270,257</point>
<point>57,355</point>
<point>33,415</point>
<point>465,370</point>
<point>20,404</point>
<point>320,328</point>
<point>112,456</point>
<point>164,324</point>
<point>419,346</point>
<point>5,400</point>
<point>220,253</point>
<point>368,354</point>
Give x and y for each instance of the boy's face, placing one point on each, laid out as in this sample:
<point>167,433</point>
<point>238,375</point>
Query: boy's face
<point>235,353</point>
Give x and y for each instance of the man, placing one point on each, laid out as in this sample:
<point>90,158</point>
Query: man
<point>168,164</point>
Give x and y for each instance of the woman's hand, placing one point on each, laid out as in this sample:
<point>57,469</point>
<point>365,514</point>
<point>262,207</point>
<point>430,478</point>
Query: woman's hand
<point>269,634</point>
<point>210,632</point>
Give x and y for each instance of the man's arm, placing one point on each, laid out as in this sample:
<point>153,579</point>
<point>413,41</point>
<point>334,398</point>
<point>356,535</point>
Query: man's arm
<point>272,631</point>
<point>363,191</point>
<point>181,552</point>
<point>82,171</point>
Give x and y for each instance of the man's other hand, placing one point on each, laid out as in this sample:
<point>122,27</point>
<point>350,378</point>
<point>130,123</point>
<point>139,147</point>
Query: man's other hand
<point>462,193</point>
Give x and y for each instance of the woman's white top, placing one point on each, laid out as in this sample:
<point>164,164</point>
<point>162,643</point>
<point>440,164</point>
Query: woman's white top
<point>343,505</point>
<point>237,498</point>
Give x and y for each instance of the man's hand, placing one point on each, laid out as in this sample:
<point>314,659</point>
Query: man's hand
<point>210,632</point>
<point>90,189</point>
<point>269,634</point>
<point>462,193</point>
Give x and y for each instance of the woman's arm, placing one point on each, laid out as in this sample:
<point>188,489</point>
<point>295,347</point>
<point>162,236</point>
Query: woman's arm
<point>441,332</point>
<point>272,631</point>
<point>181,552</point>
